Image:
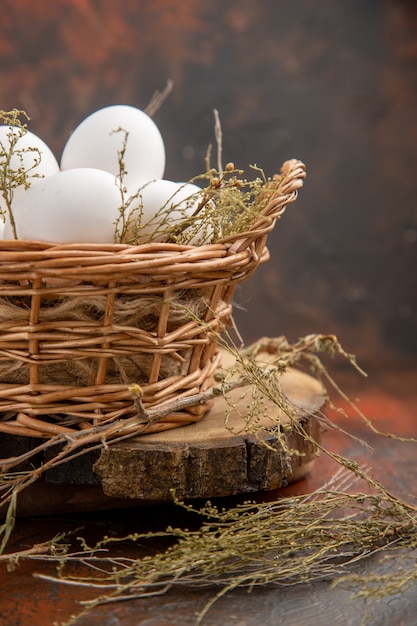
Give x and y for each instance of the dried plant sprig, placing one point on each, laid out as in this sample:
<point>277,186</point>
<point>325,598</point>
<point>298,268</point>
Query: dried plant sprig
<point>14,171</point>
<point>373,587</point>
<point>219,139</point>
<point>120,224</point>
<point>283,543</point>
<point>54,549</point>
<point>228,204</point>
<point>158,98</point>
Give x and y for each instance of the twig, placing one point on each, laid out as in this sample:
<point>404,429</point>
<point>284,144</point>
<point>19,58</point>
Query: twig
<point>36,550</point>
<point>137,392</point>
<point>159,98</point>
<point>219,137</point>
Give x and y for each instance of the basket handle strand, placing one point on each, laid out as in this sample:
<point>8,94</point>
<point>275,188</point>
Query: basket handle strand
<point>293,173</point>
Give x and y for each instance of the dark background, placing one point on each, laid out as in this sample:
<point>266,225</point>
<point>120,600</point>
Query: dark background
<point>331,83</point>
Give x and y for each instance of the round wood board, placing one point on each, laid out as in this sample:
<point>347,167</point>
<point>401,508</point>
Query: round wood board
<point>220,455</point>
<point>217,456</point>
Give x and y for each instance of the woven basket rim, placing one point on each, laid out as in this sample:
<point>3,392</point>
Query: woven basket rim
<point>292,173</point>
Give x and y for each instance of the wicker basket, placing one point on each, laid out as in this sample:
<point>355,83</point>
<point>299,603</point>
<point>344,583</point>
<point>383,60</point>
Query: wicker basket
<point>70,341</point>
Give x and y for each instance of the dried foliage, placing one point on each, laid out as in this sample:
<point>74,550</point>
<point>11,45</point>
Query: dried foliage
<point>284,543</point>
<point>14,170</point>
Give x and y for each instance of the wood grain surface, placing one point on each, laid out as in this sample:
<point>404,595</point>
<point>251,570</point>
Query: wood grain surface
<point>217,456</point>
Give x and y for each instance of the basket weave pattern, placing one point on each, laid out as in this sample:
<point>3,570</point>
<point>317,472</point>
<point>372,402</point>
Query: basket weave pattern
<point>62,371</point>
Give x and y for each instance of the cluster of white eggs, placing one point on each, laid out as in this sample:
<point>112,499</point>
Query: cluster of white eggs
<point>79,200</point>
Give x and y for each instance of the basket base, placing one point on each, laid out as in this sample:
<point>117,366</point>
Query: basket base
<point>207,459</point>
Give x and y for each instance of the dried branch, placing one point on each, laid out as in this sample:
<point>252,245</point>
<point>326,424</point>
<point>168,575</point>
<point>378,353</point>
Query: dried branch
<point>219,140</point>
<point>288,542</point>
<point>158,98</point>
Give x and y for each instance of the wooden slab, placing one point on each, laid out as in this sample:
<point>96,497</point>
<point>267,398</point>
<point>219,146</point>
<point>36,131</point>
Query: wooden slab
<point>217,457</point>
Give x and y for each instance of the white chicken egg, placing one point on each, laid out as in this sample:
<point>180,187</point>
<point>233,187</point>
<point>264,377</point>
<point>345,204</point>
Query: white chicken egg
<point>29,153</point>
<point>75,206</point>
<point>98,140</point>
<point>158,205</point>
